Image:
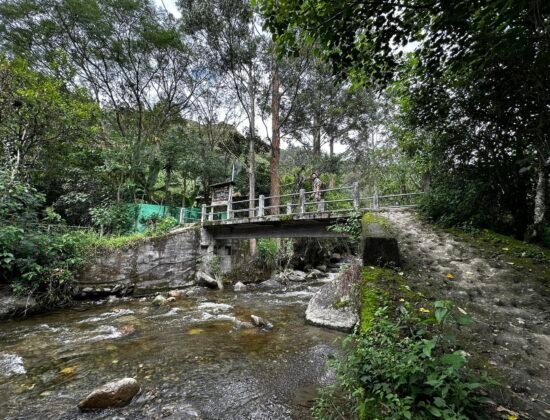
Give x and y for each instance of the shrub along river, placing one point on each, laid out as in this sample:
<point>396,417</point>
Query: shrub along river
<point>198,357</point>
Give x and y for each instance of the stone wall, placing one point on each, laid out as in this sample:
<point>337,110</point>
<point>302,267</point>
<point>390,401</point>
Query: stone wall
<point>168,261</point>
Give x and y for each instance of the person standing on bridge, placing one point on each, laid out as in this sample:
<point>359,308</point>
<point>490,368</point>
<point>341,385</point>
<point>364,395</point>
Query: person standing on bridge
<point>317,184</point>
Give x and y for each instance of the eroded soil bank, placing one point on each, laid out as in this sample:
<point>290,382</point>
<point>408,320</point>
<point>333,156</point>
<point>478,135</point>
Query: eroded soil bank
<point>509,301</point>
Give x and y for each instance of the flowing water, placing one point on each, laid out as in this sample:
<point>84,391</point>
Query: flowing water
<point>196,358</point>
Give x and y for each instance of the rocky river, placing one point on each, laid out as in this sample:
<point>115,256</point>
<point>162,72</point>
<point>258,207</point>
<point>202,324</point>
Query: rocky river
<point>199,357</point>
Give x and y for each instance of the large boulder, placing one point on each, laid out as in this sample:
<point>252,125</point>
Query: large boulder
<point>378,243</point>
<point>334,306</point>
<point>113,394</point>
<point>13,306</point>
<point>326,310</point>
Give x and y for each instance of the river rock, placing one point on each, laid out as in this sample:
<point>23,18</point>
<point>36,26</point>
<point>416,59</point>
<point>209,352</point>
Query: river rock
<point>176,294</point>
<point>239,287</point>
<point>314,274</point>
<point>12,306</point>
<point>260,322</point>
<point>171,299</point>
<point>159,301</point>
<point>112,299</point>
<point>270,284</point>
<point>335,257</point>
<point>113,394</point>
<point>127,329</point>
<point>323,268</point>
<point>296,276</point>
<point>333,308</point>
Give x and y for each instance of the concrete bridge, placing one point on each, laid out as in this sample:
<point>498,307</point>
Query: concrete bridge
<point>292,215</point>
<point>286,216</point>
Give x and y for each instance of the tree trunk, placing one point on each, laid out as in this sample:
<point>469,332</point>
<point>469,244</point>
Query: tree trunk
<point>541,203</point>
<point>331,144</point>
<point>252,155</point>
<point>316,137</point>
<point>167,186</point>
<point>275,188</point>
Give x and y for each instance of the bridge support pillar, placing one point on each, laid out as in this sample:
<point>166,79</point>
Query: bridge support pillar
<point>211,248</point>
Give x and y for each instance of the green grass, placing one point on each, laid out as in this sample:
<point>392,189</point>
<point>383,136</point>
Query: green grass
<point>369,218</point>
<point>92,243</point>
<point>383,287</point>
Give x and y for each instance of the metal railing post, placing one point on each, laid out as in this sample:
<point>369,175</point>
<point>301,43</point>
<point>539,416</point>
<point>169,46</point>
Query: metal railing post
<point>356,196</point>
<point>375,200</point>
<point>321,206</point>
<point>288,208</point>
<point>261,206</point>
<point>182,215</point>
<point>203,214</point>
<point>211,215</point>
<point>302,203</point>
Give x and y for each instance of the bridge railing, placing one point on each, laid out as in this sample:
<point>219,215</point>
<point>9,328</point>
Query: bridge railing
<point>345,199</point>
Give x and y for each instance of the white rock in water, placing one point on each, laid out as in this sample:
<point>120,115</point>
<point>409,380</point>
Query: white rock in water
<point>113,394</point>
<point>239,287</point>
<point>11,364</point>
<point>321,310</point>
<point>295,276</point>
<point>260,322</point>
<point>159,301</point>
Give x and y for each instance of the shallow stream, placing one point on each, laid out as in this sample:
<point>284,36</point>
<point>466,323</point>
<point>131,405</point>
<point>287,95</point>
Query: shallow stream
<point>196,358</point>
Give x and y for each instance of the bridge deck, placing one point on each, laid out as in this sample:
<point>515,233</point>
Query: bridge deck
<point>313,225</point>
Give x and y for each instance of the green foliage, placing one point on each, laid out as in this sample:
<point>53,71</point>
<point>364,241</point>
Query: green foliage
<point>166,224</point>
<point>114,218</point>
<point>33,261</point>
<point>215,267</point>
<point>405,368</point>
<point>19,202</point>
<point>350,226</point>
<point>475,115</point>
<point>268,251</point>
<point>274,253</point>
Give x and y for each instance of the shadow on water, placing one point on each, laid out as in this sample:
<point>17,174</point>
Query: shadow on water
<point>197,358</point>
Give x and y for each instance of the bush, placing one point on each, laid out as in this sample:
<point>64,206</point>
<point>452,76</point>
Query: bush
<point>404,368</point>
<point>166,224</point>
<point>113,218</point>
<point>268,251</point>
<point>39,264</point>
<point>33,261</point>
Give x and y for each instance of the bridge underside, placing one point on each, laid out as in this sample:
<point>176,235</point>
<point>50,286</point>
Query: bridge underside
<point>307,226</point>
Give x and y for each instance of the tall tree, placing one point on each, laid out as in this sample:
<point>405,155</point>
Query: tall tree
<point>228,33</point>
<point>457,48</point>
<point>128,54</point>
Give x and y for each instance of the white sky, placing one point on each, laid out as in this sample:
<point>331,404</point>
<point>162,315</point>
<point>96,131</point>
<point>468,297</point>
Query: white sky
<point>169,5</point>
